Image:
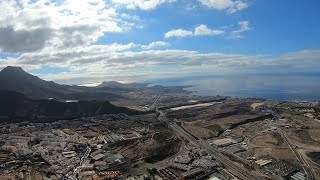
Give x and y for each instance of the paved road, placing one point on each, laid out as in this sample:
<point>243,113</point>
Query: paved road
<point>154,104</point>
<point>305,165</point>
<point>76,171</point>
<point>235,169</point>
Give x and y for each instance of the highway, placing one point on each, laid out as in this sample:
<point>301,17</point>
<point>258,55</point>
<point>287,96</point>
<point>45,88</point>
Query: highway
<point>153,105</point>
<point>235,169</point>
<point>305,165</point>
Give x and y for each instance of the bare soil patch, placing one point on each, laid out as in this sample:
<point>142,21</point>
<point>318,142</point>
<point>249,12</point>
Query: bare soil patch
<point>264,140</point>
<point>262,152</point>
<point>255,105</point>
<point>197,131</point>
<point>315,134</point>
<point>282,153</point>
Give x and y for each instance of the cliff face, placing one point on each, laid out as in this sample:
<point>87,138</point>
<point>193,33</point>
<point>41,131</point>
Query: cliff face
<point>16,107</point>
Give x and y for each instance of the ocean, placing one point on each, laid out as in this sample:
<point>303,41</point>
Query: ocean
<point>305,87</point>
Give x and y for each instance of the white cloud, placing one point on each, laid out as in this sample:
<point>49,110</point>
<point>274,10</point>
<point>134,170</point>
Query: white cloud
<point>190,7</point>
<point>231,6</point>
<point>101,62</point>
<point>217,4</point>
<point>64,34</point>
<point>155,45</point>
<point>237,6</point>
<point>178,33</point>
<point>60,25</point>
<point>203,30</point>
<point>244,26</point>
<point>141,4</point>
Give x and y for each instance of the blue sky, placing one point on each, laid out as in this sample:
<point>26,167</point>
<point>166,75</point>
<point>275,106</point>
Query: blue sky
<point>131,40</point>
<point>278,27</point>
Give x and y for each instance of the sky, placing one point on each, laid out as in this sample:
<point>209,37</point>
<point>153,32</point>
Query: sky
<point>89,41</point>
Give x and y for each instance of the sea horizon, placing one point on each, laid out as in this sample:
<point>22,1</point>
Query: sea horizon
<point>283,87</point>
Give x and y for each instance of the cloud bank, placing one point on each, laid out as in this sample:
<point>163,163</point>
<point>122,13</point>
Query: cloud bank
<point>65,35</point>
<point>232,6</point>
<point>201,30</point>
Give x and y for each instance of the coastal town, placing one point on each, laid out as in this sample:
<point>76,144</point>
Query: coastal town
<point>159,90</point>
<point>169,143</point>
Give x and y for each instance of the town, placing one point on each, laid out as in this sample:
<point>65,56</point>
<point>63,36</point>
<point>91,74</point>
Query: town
<point>167,144</point>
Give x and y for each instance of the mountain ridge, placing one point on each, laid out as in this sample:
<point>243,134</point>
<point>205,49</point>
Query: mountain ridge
<point>14,78</point>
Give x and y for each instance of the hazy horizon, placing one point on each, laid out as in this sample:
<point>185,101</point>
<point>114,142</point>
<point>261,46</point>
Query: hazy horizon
<point>90,41</point>
<point>266,86</point>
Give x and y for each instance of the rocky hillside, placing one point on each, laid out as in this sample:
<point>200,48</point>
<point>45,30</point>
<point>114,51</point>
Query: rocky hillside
<point>16,107</point>
<point>16,79</point>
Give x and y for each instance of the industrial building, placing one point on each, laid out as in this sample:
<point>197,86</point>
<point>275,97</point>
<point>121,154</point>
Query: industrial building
<point>263,162</point>
<point>69,154</point>
<point>182,167</point>
<point>87,167</point>
<point>107,175</point>
<point>298,176</point>
<point>216,176</point>
<point>87,173</point>
<point>280,168</point>
<point>100,163</point>
<point>95,153</point>
<point>213,178</point>
<point>98,157</point>
<point>165,173</point>
<point>191,174</point>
